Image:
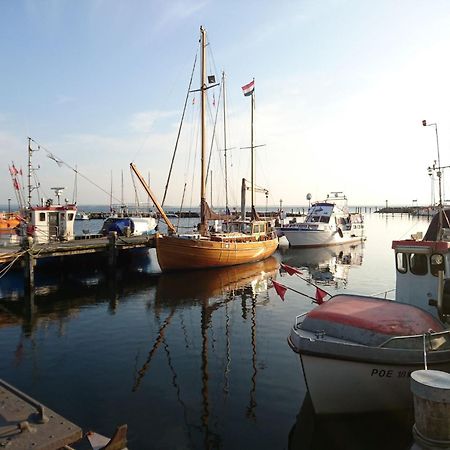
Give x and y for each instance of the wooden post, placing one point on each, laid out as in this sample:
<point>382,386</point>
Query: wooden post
<point>112,249</point>
<point>28,269</point>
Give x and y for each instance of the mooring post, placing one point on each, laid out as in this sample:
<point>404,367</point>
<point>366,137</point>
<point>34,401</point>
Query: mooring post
<point>431,391</point>
<point>112,249</point>
<point>28,269</point>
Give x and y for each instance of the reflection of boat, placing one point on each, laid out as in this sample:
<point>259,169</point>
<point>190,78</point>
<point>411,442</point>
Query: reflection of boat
<point>205,284</point>
<point>355,432</point>
<point>327,223</point>
<point>326,265</point>
<point>244,241</point>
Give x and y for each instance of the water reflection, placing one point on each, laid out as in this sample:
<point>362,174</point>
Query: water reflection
<point>328,266</point>
<point>387,431</point>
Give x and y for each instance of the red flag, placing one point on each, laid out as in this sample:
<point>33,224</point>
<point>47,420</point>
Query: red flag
<point>13,170</point>
<point>320,294</point>
<point>290,270</point>
<point>16,184</point>
<point>281,290</point>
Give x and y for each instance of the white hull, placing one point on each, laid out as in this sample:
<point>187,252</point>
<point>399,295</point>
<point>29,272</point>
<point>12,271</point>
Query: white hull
<point>298,237</point>
<point>348,387</point>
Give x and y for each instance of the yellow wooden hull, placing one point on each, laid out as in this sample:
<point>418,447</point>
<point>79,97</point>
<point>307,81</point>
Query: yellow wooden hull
<point>180,253</point>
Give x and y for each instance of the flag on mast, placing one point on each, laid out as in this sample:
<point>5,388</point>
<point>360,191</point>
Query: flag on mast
<point>249,88</point>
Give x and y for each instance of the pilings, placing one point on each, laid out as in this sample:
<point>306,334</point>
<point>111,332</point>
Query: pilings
<point>431,390</point>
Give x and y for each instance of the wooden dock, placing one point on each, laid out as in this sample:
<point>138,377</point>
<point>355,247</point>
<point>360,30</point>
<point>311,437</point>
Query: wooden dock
<point>29,253</point>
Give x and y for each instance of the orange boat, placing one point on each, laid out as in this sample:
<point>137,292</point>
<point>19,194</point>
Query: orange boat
<point>243,241</point>
<point>8,223</point>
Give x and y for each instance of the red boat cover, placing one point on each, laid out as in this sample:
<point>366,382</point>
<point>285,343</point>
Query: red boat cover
<point>377,315</point>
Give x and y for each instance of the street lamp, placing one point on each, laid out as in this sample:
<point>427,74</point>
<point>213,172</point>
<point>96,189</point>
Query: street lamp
<point>9,206</point>
<point>438,173</point>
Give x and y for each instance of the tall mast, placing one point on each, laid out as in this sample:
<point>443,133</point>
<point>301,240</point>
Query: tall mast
<point>203,224</point>
<point>30,151</point>
<point>252,157</point>
<point>225,140</point>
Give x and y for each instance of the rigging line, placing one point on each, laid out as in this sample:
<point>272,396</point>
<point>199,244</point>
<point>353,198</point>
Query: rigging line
<point>213,140</point>
<point>75,170</point>
<point>179,130</point>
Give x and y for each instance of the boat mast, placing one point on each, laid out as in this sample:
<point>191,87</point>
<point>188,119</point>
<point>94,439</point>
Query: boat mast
<point>30,151</point>
<point>253,213</point>
<point>203,224</point>
<point>225,140</point>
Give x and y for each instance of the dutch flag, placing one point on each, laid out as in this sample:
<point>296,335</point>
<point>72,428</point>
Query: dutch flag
<point>249,88</point>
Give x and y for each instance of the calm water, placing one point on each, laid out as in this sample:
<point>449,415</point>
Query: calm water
<point>197,360</point>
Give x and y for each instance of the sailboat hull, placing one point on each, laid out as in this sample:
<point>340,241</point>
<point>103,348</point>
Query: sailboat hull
<point>177,253</point>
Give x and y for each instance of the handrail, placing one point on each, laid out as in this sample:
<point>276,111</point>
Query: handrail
<point>415,336</point>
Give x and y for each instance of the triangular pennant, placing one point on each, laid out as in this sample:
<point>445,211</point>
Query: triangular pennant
<point>291,270</point>
<point>280,289</point>
<point>320,295</point>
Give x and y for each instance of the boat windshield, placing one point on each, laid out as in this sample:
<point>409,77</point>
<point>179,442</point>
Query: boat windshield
<point>316,218</point>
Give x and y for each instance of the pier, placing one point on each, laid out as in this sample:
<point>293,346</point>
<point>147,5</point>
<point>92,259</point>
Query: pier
<point>111,246</point>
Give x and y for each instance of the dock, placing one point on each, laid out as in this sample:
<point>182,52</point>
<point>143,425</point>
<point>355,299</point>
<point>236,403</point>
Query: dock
<point>29,253</point>
<point>25,423</point>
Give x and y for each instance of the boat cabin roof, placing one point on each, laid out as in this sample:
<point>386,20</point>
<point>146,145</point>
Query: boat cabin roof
<point>368,320</point>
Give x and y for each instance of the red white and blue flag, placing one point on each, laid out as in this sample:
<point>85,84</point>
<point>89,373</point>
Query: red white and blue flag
<point>249,88</point>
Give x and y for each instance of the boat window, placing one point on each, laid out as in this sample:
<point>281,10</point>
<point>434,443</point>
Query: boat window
<point>418,264</point>
<point>325,219</point>
<point>255,228</point>
<point>70,216</point>
<point>42,216</point>
<point>246,228</point>
<point>401,262</point>
<point>437,263</point>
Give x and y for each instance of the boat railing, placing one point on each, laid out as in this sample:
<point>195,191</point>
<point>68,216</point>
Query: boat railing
<point>299,319</point>
<point>436,340</point>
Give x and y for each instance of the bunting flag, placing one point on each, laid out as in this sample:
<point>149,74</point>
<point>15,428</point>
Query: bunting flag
<point>291,270</point>
<point>12,170</point>
<point>57,161</point>
<point>249,88</point>
<point>214,100</point>
<point>320,295</point>
<point>280,289</point>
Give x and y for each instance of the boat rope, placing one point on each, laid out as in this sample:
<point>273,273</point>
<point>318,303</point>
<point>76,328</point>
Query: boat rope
<point>179,130</point>
<point>60,162</point>
<point>384,293</point>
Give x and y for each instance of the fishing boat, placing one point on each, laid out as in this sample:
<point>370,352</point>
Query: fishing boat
<point>327,223</point>
<point>358,352</point>
<point>240,241</point>
<point>81,216</point>
<point>9,228</point>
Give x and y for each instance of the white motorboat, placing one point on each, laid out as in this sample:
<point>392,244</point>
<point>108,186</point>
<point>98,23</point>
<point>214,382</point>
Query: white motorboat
<point>358,352</point>
<point>327,223</point>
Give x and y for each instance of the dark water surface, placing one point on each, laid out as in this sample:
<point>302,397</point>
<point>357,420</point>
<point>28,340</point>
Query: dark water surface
<point>195,360</point>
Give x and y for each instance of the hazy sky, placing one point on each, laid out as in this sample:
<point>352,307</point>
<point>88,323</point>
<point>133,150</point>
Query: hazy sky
<point>341,89</point>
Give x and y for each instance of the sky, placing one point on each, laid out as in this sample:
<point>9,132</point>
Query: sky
<point>341,89</point>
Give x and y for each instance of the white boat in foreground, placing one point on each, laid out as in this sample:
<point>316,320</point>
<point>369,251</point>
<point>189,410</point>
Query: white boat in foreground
<point>129,226</point>
<point>358,352</point>
<point>327,223</point>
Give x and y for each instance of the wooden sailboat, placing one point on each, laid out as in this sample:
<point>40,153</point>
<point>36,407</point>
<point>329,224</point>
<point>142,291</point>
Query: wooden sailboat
<point>242,241</point>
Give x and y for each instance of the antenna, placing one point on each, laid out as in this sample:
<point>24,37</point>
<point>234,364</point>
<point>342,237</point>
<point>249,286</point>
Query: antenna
<point>58,192</point>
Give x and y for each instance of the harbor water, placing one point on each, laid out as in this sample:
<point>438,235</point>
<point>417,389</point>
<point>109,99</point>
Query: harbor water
<point>193,360</point>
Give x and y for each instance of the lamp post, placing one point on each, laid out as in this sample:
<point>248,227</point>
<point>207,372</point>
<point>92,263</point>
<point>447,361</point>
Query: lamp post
<point>438,173</point>
<point>9,206</point>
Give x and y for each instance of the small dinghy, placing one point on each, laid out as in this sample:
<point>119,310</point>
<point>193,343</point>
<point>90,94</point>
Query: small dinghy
<point>357,352</point>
